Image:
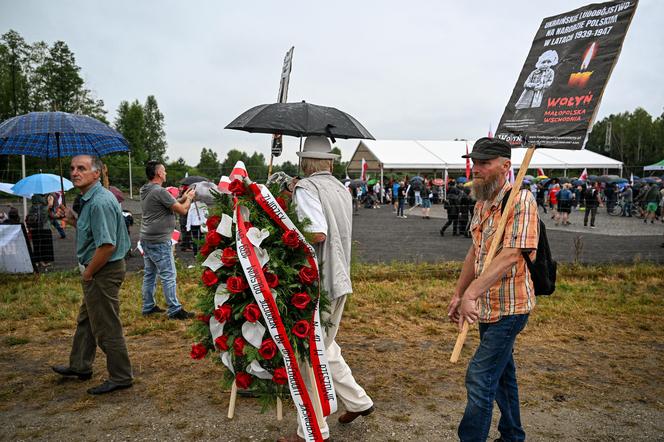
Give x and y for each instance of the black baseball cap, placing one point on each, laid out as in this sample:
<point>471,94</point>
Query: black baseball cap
<point>489,148</point>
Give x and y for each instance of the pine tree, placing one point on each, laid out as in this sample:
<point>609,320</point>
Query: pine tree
<point>155,136</point>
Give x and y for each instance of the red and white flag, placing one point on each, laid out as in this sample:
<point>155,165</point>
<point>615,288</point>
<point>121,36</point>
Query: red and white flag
<point>363,175</point>
<point>446,179</point>
<point>239,171</point>
<point>631,179</point>
<point>540,172</point>
<point>223,184</point>
<point>467,163</point>
<point>584,175</point>
<point>490,135</point>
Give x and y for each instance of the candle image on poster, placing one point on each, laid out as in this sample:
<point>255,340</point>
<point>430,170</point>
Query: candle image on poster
<point>561,83</point>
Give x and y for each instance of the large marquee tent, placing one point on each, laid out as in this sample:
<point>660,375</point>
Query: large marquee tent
<point>440,156</point>
<point>656,166</point>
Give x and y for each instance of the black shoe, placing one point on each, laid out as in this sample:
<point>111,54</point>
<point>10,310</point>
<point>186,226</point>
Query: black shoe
<point>107,387</point>
<point>66,371</point>
<point>181,314</point>
<point>155,309</point>
<point>442,232</point>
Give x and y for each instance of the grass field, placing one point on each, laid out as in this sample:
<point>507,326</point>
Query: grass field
<point>590,360</point>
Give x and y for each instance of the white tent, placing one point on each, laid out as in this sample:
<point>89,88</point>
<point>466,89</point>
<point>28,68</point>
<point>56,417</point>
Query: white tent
<point>437,156</point>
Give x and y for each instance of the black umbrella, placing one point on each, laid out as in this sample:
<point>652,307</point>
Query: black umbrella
<point>188,181</point>
<point>356,183</point>
<point>300,120</point>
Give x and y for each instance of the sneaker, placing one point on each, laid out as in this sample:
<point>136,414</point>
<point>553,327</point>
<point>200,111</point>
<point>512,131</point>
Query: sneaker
<point>181,314</point>
<point>155,309</point>
<point>592,227</point>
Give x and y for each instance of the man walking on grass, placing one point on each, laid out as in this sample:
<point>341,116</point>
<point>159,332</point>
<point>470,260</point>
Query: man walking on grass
<point>504,292</point>
<point>324,200</point>
<point>159,209</point>
<point>101,244</point>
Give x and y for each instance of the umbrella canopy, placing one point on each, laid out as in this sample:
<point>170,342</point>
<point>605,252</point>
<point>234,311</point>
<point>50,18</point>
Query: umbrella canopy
<point>462,179</point>
<point>117,193</point>
<point>438,182</point>
<point>592,178</point>
<point>563,179</point>
<point>58,134</point>
<point>372,181</point>
<point>529,178</point>
<point>578,182</point>
<point>40,184</point>
<point>7,188</point>
<point>188,181</point>
<point>354,184</point>
<point>541,177</point>
<point>173,191</point>
<point>300,120</point>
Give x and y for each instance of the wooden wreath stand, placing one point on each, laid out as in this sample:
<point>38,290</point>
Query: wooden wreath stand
<point>280,411</point>
<point>494,244</point>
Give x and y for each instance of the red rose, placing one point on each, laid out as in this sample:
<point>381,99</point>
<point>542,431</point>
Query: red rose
<point>268,349</point>
<point>280,376</point>
<point>213,222</point>
<point>209,278</point>
<point>198,351</point>
<point>223,313</point>
<point>238,346</point>
<point>291,239</point>
<point>205,250</point>
<point>301,329</point>
<point>222,342</point>
<point>282,203</point>
<point>236,284</point>
<point>204,318</point>
<point>213,239</point>
<point>243,380</point>
<point>272,279</point>
<point>308,275</point>
<point>229,257</point>
<point>300,300</point>
<point>252,313</point>
<point>237,188</point>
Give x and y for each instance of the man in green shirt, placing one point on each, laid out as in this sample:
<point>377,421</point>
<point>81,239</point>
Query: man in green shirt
<point>101,244</point>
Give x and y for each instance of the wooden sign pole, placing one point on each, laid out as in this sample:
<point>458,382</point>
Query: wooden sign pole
<point>495,242</point>
<point>231,403</point>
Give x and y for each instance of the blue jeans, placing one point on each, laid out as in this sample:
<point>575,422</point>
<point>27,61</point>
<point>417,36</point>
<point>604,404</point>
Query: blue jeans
<point>159,261</point>
<point>491,376</point>
<point>400,207</point>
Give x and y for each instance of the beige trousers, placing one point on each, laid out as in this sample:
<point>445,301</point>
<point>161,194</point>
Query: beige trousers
<point>347,389</point>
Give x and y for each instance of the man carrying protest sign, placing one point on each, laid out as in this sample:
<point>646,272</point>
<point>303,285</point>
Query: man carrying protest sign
<point>504,290</point>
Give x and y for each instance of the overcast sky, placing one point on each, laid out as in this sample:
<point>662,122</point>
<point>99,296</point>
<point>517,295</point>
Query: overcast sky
<point>406,70</point>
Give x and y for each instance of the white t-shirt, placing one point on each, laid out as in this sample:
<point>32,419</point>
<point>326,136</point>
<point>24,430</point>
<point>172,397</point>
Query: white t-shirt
<point>308,206</point>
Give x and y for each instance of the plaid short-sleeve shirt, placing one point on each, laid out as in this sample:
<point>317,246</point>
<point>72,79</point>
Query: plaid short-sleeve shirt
<point>514,293</point>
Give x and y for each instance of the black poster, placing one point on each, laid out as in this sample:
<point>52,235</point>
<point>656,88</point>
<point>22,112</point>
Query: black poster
<point>562,81</point>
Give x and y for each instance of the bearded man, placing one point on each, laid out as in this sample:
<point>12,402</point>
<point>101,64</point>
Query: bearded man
<point>504,291</point>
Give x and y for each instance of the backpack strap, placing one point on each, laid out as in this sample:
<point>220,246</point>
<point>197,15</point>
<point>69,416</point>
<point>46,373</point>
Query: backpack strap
<point>503,204</point>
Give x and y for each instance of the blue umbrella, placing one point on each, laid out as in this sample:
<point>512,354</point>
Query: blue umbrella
<point>461,179</point>
<point>57,135</point>
<point>40,184</point>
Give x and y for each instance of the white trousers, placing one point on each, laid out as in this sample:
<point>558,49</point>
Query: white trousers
<point>347,389</point>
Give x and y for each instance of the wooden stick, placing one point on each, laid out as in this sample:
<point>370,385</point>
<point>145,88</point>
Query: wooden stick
<point>315,399</point>
<point>280,410</point>
<point>496,241</point>
<point>231,403</point>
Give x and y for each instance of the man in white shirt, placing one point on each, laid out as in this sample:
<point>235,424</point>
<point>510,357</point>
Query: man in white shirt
<point>328,204</point>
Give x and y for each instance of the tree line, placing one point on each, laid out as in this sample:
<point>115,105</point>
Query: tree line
<point>635,138</point>
<point>41,77</point>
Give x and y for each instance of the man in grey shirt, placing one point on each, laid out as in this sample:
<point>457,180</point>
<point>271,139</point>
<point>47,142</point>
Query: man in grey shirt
<point>159,209</point>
